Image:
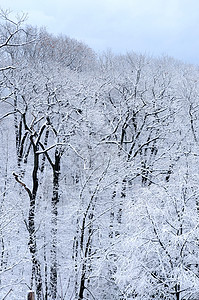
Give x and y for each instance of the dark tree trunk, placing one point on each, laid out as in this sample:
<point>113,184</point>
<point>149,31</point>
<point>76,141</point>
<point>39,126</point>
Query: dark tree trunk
<point>177,288</point>
<point>31,228</point>
<point>54,211</point>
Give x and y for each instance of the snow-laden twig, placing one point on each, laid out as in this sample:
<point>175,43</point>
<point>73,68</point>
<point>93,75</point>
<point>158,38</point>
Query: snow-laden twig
<point>16,176</point>
<point>50,147</point>
<point>75,150</point>
<point>6,115</point>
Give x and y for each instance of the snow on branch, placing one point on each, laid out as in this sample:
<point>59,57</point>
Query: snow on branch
<point>6,115</point>
<point>78,154</point>
<point>49,148</point>
<point>16,176</point>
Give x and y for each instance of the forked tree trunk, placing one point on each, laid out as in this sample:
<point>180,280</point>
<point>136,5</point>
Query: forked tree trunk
<point>36,267</point>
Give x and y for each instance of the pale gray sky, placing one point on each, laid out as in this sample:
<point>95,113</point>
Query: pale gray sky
<point>148,26</point>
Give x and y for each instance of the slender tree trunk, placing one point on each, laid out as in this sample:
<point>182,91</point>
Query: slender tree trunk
<point>54,214</point>
<point>17,132</point>
<point>45,270</point>
<point>178,294</point>
<point>82,282</point>
<point>31,228</point>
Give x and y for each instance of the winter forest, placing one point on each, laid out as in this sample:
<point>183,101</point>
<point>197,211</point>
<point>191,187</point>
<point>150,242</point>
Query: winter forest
<point>99,155</point>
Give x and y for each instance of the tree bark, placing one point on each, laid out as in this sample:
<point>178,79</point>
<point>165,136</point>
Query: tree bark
<point>54,214</point>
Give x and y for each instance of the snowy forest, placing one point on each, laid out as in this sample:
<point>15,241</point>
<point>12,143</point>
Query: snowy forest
<point>99,194</point>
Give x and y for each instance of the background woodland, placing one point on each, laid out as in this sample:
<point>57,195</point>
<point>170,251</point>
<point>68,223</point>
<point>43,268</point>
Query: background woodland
<point>99,195</point>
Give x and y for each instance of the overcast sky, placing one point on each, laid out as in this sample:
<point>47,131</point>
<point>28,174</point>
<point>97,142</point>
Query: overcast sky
<point>155,27</point>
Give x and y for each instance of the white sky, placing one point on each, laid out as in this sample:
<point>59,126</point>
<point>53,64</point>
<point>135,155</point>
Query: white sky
<point>148,26</point>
